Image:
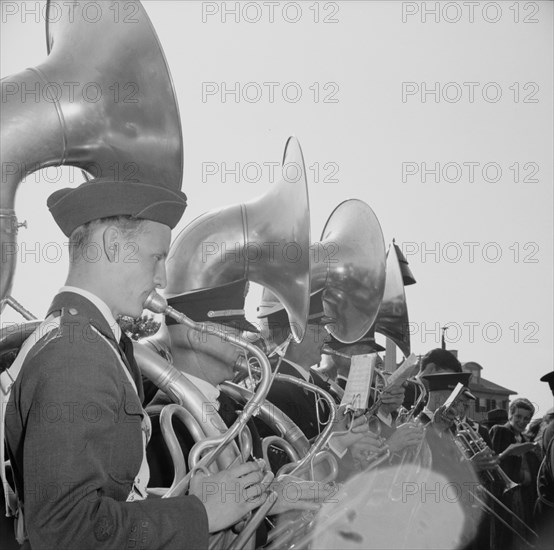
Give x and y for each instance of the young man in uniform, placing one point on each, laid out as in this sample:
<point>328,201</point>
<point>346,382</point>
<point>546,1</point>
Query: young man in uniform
<point>75,427</point>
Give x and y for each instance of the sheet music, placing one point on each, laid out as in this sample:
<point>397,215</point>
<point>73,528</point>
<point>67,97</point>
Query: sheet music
<point>356,393</point>
<point>407,369</point>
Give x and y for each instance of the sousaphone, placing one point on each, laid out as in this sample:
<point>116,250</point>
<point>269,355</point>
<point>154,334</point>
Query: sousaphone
<point>265,241</point>
<point>349,264</point>
<point>392,319</point>
<point>106,104</point>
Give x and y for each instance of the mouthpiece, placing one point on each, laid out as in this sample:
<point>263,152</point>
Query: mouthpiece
<point>155,302</point>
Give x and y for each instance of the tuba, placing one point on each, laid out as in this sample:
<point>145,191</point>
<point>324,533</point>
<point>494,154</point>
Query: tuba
<point>106,105</point>
<point>392,319</point>
<point>268,239</point>
<point>219,443</point>
<point>349,264</point>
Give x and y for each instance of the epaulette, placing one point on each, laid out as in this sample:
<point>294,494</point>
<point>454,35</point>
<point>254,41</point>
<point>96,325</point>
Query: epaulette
<point>48,331</point>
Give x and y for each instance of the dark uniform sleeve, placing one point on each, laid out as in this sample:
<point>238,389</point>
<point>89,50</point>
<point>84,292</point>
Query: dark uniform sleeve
<point>76,430</point>
<point>502,438</point>
<point>484,433</point>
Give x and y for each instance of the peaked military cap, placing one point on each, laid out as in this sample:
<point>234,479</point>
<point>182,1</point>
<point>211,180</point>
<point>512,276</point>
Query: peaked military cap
<point>549,377</point>
<point>448,381</point>
<point>368,339</point>
<point>104,198</point>
<point>272,308</point>
<point>222,304</point>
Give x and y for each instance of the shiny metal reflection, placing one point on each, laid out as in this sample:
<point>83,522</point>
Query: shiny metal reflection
<point>349,263</point>
<point>392,319</point>
<point>266,241</point>
<point>106,104</point>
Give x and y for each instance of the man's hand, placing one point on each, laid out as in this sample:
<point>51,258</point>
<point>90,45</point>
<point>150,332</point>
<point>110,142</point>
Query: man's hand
<point>229,495</point>
<point>391,399</point>
<point>363,449</point>
<point>348,430</point>
<point>297,494</point>
<point>484,460</point>
<point>443,418</point>
<point>406,435</point>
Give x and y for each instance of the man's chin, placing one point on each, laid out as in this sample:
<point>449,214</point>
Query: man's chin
<point>134,313</point>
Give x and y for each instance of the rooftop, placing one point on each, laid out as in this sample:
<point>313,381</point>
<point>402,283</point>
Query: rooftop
<point>487,386</point>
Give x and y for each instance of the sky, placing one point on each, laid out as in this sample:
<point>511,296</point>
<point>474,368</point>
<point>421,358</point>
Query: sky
<point>439,115</point>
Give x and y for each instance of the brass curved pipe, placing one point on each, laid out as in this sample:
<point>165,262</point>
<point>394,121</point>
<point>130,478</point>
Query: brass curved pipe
<point>272,416</point>
<point>183,392</point>
<point>219,443</point>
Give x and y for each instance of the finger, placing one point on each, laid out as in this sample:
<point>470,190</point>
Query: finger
<point>301,505</point>
<point>395,392</point>
<point>267,480</point>
<point>254,478</point>
<point>356,423</point>
<point>364,445</point>
<point>245,469</point>
<point>255,496</point>
<point>253,492</point>
<point>363,428</point>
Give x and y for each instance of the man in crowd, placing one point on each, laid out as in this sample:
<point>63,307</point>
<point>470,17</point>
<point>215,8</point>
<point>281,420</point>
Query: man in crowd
<point>548,432</point>
<point>295,359</point>
<point>441,361</point>
<point>518,463</point>
<point>208,360</point>
<point>307,411</point>
<point>544,508</point>
<point>81,476</point>
<point>446,457</point>
<point>397,438</point>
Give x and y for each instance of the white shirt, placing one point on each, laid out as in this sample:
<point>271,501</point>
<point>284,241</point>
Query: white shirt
<point>100,304</point>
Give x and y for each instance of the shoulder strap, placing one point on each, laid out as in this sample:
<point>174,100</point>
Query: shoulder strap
<point>138,490</point>
<point>7,380</point>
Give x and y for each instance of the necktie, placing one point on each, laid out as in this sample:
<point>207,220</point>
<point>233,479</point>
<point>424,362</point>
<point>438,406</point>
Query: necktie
<point>126,347</point>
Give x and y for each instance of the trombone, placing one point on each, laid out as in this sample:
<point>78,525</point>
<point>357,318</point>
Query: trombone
<point>469,443</point>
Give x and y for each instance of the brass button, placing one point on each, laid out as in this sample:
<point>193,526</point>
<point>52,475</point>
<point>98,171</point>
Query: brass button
<point>72,311</point>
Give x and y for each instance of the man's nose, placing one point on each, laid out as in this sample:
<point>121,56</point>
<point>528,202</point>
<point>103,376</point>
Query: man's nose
<point>161,276</point>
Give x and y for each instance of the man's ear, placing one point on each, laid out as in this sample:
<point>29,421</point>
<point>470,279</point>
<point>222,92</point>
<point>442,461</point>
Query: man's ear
<point>110,241</point>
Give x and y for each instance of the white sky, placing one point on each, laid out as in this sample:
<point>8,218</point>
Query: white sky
<point>362,61</point>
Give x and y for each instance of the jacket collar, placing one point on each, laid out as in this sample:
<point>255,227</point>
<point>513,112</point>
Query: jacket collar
<point>75,304</point>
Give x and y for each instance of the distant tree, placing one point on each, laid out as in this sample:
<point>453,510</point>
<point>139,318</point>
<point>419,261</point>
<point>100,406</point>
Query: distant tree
<point>138,328</point>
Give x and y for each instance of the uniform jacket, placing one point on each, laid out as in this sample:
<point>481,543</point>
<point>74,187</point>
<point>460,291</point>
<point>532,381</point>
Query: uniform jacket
<point>73,428</point>
<point>297,403</point>
<point>502,437</point>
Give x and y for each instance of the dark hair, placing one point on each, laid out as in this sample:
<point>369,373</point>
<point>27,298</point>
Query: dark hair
<point>522,403</point>
<point>443,359</point>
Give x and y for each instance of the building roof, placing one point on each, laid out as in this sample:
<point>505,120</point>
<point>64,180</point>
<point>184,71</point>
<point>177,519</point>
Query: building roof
<point>472,365</point>
<point>485,385</point>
